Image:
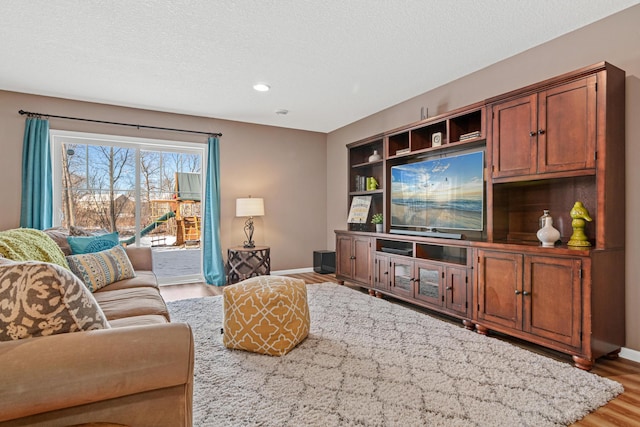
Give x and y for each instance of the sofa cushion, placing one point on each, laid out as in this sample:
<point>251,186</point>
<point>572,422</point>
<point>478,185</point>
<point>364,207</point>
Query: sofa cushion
<point>141,279</point>
<point>121,303</point>
<point>88,244</point>
<point>145,319</point>
<point>100,269</point>
<point>28,244</point>
<point>40,299</point>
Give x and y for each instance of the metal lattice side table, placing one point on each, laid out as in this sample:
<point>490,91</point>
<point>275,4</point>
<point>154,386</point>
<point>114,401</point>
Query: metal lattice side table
<point>243,263</point>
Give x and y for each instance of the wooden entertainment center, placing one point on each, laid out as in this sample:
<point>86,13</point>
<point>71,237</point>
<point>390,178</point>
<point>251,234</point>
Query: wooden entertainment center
<point>545,146</point>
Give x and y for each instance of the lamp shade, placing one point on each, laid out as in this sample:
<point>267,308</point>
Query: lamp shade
<point>250,206</point>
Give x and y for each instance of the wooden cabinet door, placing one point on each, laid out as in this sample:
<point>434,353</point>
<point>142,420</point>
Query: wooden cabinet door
<point>401,276</point>
<point>429,283</point>
<point>567,127</point>
<point>515,125</point>
<point>456,289</point>
<point>353,258</point>
<point>551,131</point>
<point>499,288</point>
<point>381,272</point>
<point>553,298</point>
<point>362,260</point>
<point>344,255</point>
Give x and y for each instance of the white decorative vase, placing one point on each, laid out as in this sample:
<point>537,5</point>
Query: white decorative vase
<point>543,218</point>
<point>548,235</point>
<point>375,156</point>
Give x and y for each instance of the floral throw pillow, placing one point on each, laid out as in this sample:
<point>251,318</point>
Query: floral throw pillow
<point>41,299</point>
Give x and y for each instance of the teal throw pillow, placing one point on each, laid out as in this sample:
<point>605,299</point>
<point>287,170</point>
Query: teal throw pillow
<point>90,244</point>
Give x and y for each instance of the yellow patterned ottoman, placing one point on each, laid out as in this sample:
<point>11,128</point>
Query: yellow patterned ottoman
<point>265,314</point>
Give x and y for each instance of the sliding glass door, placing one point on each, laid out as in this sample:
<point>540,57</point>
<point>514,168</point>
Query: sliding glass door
<point>148,191</point>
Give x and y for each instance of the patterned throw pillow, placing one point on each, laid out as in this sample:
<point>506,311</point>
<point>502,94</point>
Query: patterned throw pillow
<point>40,299</point>
<point>89,244</point>
<point>100,269</point>
<point>59,236</point>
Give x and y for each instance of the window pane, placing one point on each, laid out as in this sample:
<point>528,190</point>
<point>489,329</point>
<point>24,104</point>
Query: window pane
<point>98,185</point>
<point>105,182</point>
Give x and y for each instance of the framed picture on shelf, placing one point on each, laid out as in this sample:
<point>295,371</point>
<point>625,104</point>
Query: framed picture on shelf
<point>359,210</point>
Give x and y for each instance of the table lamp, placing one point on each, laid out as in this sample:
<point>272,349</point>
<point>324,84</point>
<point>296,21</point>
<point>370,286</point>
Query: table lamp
<point>249,206</point>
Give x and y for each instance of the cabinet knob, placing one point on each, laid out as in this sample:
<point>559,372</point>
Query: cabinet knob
<point>386,272</point>
<point>517,292</point>
<point>532,133</point>
<point>352,257</point>
<point>449,288</point>
<point>540,131</point>
<point>525,293</point>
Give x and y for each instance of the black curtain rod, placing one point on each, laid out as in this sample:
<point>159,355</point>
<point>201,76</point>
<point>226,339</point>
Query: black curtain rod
<point>29,113</point>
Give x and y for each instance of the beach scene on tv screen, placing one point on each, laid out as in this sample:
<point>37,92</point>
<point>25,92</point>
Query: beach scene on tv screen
<point>444,193</point>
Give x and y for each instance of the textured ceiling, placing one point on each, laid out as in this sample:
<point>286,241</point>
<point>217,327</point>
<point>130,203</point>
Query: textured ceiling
<point>329,63</point>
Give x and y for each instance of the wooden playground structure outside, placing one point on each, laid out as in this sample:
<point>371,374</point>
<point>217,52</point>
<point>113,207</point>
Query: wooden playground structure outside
<point>179,216</point>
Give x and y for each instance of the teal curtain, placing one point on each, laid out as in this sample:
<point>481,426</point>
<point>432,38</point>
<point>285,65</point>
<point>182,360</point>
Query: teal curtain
<point>213,266</point>
<point>37,187</point>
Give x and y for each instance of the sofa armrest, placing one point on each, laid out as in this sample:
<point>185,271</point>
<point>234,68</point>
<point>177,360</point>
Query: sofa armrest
<point>140,257</point>
<point>61,371</point>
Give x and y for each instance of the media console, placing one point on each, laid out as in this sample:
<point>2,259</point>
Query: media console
<point>500,278</point>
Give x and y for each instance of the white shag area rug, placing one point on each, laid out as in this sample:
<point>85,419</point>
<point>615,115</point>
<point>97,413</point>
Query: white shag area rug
<point>370,362</point>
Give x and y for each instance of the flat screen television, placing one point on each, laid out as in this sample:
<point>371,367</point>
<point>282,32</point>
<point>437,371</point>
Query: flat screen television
<point>440,193</point>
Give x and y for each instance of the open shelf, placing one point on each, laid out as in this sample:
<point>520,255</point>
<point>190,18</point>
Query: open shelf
<point>444,253</point>
<point>422,137</point>
<point>359,154</point>
<point>517,207</point>
<point>398,144</point>
<point>394,246</point>
<point>426,251</point>
<point>469,126</point>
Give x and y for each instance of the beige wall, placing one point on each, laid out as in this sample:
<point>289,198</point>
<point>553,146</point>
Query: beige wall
<point>614,39</point>
<point>285,167</point>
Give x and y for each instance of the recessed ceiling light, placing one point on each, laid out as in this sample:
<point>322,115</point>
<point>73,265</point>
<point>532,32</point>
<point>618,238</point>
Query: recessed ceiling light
<point>261,87</point>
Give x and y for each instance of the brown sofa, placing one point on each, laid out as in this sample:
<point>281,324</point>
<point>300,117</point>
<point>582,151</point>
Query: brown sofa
<point>139,372</point>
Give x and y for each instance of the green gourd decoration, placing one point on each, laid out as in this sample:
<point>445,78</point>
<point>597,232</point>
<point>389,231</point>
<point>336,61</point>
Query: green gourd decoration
<point>579,214</point>
<point>372,183</point>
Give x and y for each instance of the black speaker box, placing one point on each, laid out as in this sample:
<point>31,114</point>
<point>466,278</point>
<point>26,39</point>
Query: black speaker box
<point>324,262</point>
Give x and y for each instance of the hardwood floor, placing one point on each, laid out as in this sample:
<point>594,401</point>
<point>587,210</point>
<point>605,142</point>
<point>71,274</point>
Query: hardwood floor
<point>622,411</point>
<point>196,290</point>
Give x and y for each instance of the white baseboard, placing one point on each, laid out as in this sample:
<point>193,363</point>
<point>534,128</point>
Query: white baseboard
<point>294,271</point>
<point>630,354</point>
<point>169,281</point>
